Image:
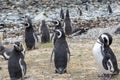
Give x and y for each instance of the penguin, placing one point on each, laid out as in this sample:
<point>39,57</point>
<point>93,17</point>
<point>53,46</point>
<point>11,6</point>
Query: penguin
<point>58,25</point>
<point>117,31</point>
<point>61,52</point>
<point>110,9</point>
<point>5,52</point>
<point>86,7</point>
<point>105,57</point>
<point>67,24</point>
<point>61,14</point>
<point>45,35</point>
<point>99,1</point>
<point>16,64</point>
<point>80,11</point>
<point>31,38</point>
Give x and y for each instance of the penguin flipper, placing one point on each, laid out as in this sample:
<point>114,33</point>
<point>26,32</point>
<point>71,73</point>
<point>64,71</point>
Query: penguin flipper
<point>51,55</point>
<point>68,52</point>
<point>104,62</point>
<point>36,37</point>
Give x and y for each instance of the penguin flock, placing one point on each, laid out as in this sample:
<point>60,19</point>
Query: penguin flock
<point>17,67</point>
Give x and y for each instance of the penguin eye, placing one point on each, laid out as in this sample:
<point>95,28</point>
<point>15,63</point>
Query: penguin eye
<point>27,24</point>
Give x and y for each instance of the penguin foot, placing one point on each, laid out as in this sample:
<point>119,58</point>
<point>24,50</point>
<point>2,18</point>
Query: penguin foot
<point>0,68</point>
<point>56,71</point>
<point>100,75</point>
<point>65,71</point>
<point>107,77</point>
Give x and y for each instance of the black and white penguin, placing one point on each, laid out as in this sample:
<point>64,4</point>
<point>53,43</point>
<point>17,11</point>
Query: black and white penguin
<point>61,14</point>
<point>67,24</point>
<point>110,9</point>
<point>5,52</point>
<point>31,38</point>
<point>61,52</point>
<point>58,25</point>
<point>104,55</point>
<point>16,64</point>
<point>45,35</point>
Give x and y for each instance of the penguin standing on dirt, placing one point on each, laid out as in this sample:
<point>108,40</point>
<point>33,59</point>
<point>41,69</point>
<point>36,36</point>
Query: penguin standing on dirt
<point>45,35</point>
<point>57,24</point>
<point>5,52</point>
<point>16,64</point>
<point>61,52</point>
<point>105,57</point>
<point>30,36</point>
<point>67,24</point>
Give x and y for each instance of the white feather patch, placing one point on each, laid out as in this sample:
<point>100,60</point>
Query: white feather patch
<point>35,38</point>
<point>6,56</point>
<point>22,69</point>
<point>59,33</point>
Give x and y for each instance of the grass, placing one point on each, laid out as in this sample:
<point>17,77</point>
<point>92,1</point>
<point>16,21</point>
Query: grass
<point>82,65</point>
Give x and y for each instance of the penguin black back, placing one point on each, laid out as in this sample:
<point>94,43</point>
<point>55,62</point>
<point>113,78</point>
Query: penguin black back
<point>61,52</point>
<point>67,24</point>
<point>106,39</point>
<point>30,36</point>
<point>45,35</point>
<point>16,64</point>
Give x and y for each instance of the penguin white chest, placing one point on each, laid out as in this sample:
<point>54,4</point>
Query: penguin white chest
<point>98,54</point>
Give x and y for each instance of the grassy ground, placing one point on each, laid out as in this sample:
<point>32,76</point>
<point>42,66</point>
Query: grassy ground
<point>82,65</point>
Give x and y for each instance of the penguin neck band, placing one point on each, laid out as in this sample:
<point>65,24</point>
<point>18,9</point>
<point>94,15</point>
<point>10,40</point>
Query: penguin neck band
<point>99,42</point>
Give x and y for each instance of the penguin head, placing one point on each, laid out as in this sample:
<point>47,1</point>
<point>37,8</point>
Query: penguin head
<point>105,39</point>
<point>18,46</point>
<point>27,22</point>
<point>60,33</point>
<point>57,24</point>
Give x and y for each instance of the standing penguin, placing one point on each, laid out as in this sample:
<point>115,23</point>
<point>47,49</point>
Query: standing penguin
<point>104,56</point>
<point>30,36</point>
<point>67,24</point>
<point>110,9</point>
<point>61,14</point>
<point>61,52</point>
<point>57,24</point>
<point>45,35</point>
<point>16,64</point>
<point>5,52</point>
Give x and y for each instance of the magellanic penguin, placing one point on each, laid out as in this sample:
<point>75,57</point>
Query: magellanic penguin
<point>58,25</point>
<point>67,24</point>
<point>45,35</point>
<point>5,52</point>
<point>61,52</point>
<point>104,55</point>
<point>110,9</point>
<point>16,63</point>
<point>61,14</point>
<point>31,38</point>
